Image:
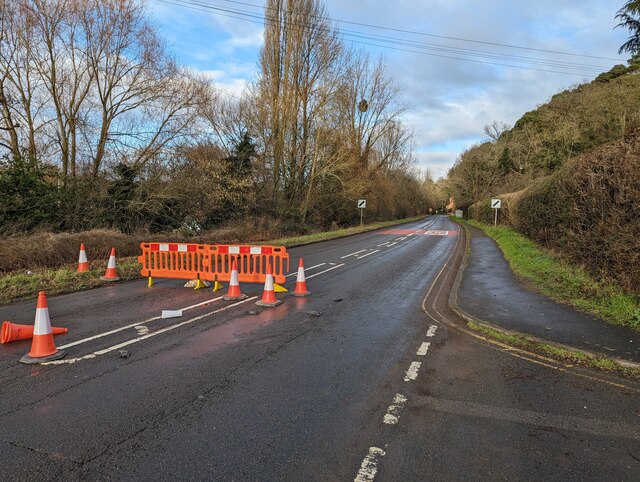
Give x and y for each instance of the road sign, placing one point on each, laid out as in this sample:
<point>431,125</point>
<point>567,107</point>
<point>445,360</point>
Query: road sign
<point>496,203</point>
<point>362,203</point>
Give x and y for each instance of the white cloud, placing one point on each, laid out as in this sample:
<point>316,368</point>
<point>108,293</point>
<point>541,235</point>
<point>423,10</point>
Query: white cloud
<point>450,100</point>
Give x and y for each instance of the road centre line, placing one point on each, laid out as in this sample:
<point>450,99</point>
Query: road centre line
<point>391,244</point>
<point>422,351</point>
<point>149,335</point>
<point>306,269</point>
<point>398,239</point>
<point>432,330</point>
<point>393,412</point>
<point>383,244</point>
<point>326,270</point>
<point>347,255</point>
<point>133,325</point>
<point>368,254</point>
<point>369,466</point>
<point>412,372</point>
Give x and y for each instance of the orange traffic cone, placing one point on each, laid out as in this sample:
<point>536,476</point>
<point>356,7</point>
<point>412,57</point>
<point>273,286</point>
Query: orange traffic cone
<point>83,264</point>
<point>268,296</point>
<point>111,274</point>
<point>301,282</point>
<point>43,348</point>
<point>234,292</point>
<point>13,332</point>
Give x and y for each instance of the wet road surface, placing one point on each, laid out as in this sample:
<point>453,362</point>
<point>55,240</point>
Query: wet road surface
<point>361,380</point>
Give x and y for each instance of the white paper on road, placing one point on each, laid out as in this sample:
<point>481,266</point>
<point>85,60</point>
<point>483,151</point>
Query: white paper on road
<point>171,313</point>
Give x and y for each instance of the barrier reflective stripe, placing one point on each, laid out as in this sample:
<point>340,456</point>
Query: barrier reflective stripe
<point>213,262</point>
<point>181,248</point>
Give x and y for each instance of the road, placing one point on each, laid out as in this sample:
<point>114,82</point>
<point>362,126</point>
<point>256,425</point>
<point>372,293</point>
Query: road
<point>371,377</point>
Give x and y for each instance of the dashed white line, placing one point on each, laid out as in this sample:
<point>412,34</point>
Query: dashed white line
<point>326,270</point>
<point>412,372</point>
<point>347,255</point>
<point>423,349</point>
<point>393,412</point>
<point>307,269</point>
<point>383,244</point>
<point>141,329</point>
<point>432,330</point>
<point>368,254</point>
<point>398,239</point>
<point>391,244</point>
<point>369,466</point>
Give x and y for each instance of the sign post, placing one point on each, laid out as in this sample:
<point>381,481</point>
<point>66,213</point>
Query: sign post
<point>495,205</point>
<point>362,203</point>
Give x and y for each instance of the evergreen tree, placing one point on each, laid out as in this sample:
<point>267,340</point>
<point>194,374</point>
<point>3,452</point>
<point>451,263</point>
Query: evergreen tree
<point>629,16</point>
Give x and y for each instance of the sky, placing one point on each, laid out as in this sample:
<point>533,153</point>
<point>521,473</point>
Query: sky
<point>515,55</point>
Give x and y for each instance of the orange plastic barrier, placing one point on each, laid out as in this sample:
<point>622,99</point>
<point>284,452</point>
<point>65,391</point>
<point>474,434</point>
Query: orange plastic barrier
<point>213,262</point>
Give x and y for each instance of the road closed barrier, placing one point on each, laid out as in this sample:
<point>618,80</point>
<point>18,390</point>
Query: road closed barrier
<point>213,262</point>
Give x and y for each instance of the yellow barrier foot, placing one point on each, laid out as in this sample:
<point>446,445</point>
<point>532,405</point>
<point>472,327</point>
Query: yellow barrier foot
<point>150,282</point>
<point>217,286</point>
<point>199,285</point>
<point>279,289</point>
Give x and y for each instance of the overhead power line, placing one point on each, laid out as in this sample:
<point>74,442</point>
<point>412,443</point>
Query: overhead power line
<point>414,46</point>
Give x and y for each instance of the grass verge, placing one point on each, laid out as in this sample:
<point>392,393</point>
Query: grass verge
<point>552,276</point>
<point>558,353</point>
<point>24,285</point>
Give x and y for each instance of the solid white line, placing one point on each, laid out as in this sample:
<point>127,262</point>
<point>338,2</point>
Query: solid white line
<point>306,269</point>
<point>432,330</point>
<point>412,372</point>
<point>133,325</point>
<point>423,349</point>
<point>346,256</point>
<point>150,335</point>
<point>336,266</point>
<point>368,254</point>
<point>369,466</point>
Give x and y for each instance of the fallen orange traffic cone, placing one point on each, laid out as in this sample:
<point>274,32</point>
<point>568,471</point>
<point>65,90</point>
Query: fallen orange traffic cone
<point>111,274</point>
<point>301,282</point>
<point>43,348</point>
<point>13,332</point>
<point>83,264</point>
<point>234,292</point>
<point>269,296</point>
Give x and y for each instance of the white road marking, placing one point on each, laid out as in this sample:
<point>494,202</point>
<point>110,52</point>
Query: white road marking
<point>307,269</point>
<point>149,335</point>
<point>368,254</point>
<point>398,239</point>
<point>393,412</point>
<point>142,330</point>
<point>403,238</point>
<point>133,325</point>
<point>347,255</point>
<point>389,245</point>
<point>383,244</point>
<point>423,349</point>
<point>432,330</point>
<point>412,372</point>
<point>326,270</point>
<point>369,466</point>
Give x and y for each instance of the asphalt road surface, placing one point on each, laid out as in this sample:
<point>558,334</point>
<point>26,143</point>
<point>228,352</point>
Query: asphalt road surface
<point>371,377</point>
